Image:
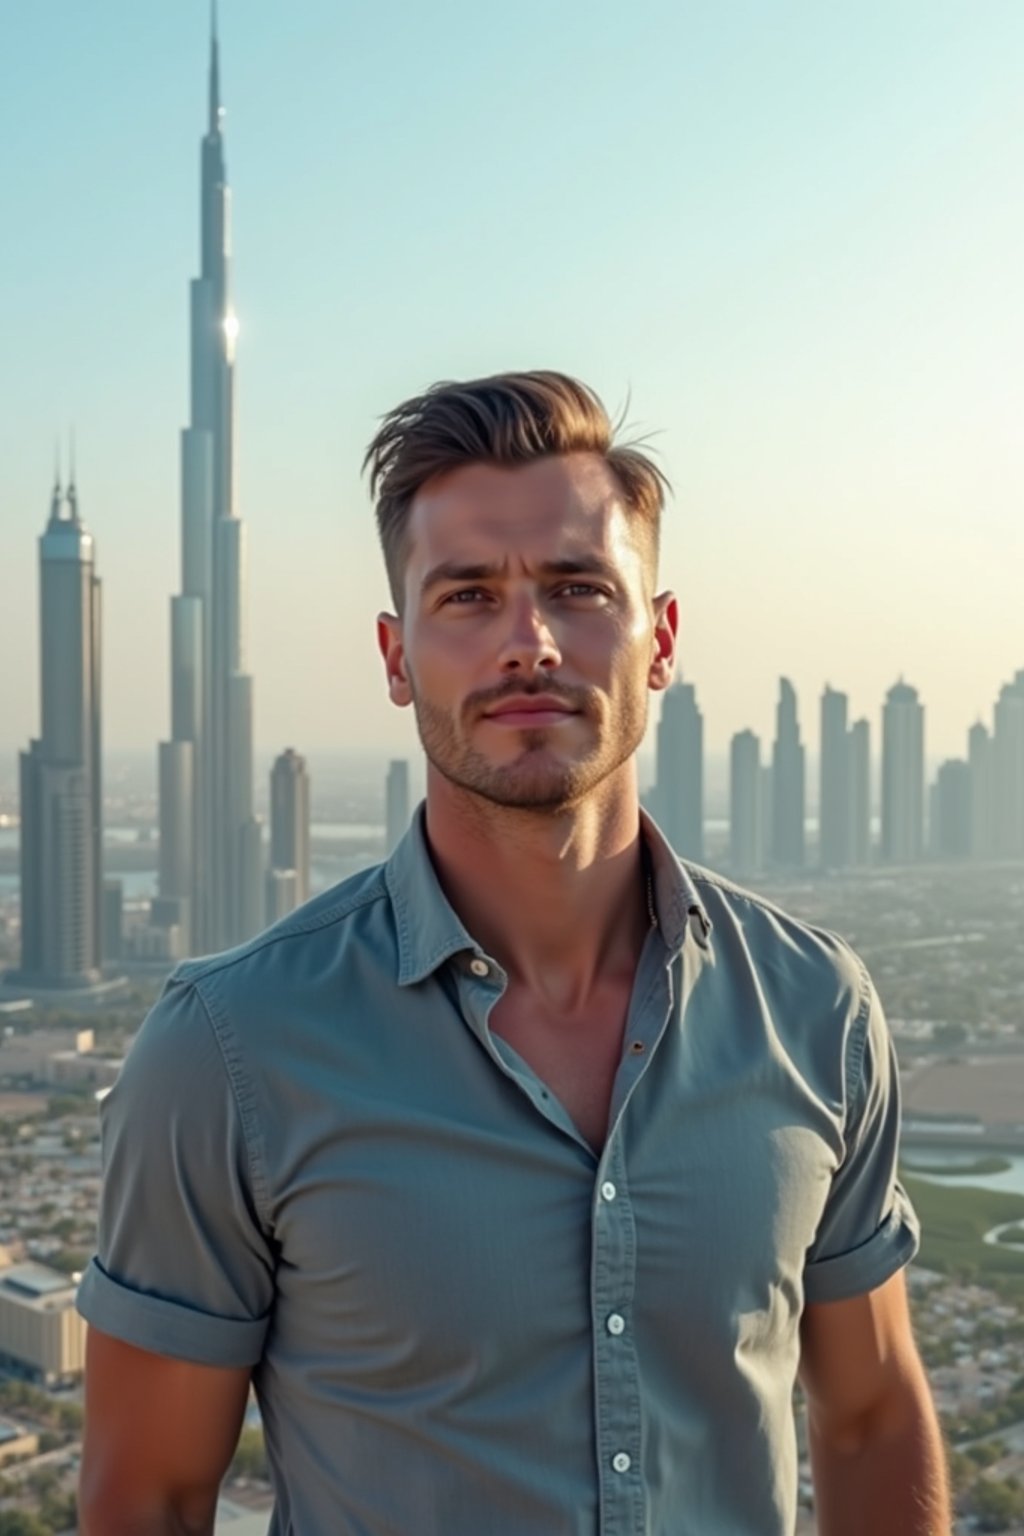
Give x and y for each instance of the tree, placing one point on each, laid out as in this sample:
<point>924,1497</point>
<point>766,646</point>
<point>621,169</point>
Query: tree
<point>995,1504</point>
<point>17,1522</point>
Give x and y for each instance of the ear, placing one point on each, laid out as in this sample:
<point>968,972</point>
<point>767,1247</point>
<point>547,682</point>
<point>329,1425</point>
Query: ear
<point>392,649</point>
<point>666,631</point>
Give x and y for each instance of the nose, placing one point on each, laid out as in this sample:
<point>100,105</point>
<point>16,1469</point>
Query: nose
<point>528,645</point>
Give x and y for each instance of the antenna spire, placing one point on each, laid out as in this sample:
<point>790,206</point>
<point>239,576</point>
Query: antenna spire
<point>215,106</point>
<point>72,496</point>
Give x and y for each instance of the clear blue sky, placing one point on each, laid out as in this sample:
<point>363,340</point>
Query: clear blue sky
<point>792,233</point>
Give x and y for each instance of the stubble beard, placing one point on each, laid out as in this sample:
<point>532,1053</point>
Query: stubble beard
<point>536,780</point>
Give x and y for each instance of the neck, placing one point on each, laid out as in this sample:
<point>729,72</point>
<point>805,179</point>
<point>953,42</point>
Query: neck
<point>560,899</point>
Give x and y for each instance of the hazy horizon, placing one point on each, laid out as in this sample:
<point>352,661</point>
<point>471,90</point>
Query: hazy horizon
<point>793,240</point>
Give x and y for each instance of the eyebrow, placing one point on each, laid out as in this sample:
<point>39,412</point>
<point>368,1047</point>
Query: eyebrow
<point>569,565</point>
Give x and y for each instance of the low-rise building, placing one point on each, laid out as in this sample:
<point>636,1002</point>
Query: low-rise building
<point>16,1442</point>
<point>42,1336</point>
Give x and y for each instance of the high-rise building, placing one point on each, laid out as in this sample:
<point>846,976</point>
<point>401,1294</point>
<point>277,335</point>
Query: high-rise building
<point>1008,770</point>
<point>859,749</point>
<point>788,783</point>
<point>979,759</point>
<point>113,920</point>
<point>902,775</point>
<point>746,847</point>
<point>289,834</point>
<point>951,823</point>
<point>679,783</point>
<point>834,815</point>
<point>282,893</point>
<point>396,803</point>
<point>60,774</point>
<point>210,839</point>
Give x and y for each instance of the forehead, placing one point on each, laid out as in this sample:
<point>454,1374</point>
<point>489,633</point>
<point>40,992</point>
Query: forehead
<point>543,510</point>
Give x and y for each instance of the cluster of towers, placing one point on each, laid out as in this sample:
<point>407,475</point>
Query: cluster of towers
<point>213,890</point>
<point>973,809</point>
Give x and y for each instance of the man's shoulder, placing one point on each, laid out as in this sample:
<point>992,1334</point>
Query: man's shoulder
<point>775,939</point>
<point>317,933</point>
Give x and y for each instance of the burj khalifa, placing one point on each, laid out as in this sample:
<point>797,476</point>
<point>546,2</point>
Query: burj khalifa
<point>210,877</point>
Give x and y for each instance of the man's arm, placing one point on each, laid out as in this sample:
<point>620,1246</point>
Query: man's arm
<point>159,1437</point>
<point>876,1447</point>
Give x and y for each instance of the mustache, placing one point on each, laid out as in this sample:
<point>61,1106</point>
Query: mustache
<point>573,698</point>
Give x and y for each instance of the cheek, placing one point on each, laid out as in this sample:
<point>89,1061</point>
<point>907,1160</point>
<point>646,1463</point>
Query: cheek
<point>440,663</point>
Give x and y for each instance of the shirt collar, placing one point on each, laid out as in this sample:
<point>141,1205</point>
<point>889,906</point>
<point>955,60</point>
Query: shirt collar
<point>430,931</point>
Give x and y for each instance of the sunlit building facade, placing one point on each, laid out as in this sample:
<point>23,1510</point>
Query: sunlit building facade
<point>902,775</point>
<point>288,880</point>
<point>678,799</point>
<point>788,846</point>
<point>61,797</point>
<point>834,819</point>
<point>210,839</point>
<point>860,792</point>
<point>397,809</point>
<point>1008,770</point>
<point>746,838</point>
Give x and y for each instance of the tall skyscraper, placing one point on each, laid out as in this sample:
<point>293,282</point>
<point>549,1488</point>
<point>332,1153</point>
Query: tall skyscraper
<point>207,827</point>
<point>746,847</point>
<point>788,782</point>
<point>902,775</point>
<point>834,818</point>
<point>60,774</point>
<point>679,783</point>
<point>396,803</point>
<point>951,826</point>
<point>289,834</point>
<point>860,792</point>
<point>979,760</point>
<point>1008,770</point>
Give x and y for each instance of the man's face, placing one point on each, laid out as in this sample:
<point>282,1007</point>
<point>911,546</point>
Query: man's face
<point>529,640</point>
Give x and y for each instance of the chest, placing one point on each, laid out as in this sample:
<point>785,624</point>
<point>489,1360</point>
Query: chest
<point>576,1056</point>
<point>433,1226</point>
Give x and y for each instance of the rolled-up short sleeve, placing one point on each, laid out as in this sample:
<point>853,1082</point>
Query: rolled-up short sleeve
<point>868,1229</point>
<point>184,1265</point>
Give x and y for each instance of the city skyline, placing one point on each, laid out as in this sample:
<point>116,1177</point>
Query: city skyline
<point>817,334</point>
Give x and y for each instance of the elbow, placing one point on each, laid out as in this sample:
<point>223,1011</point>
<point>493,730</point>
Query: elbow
<point>107,1507</point>
<point>902,1413</point>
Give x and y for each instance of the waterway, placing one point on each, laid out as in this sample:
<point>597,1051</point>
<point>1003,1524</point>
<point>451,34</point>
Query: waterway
<point>1010,1181</point>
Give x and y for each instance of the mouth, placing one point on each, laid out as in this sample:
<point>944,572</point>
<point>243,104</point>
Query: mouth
<point>542,710</point>
<point>521,717</point>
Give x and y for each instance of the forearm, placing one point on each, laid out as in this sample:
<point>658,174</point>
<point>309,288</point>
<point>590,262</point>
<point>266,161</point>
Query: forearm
<point>105,1514</point>
<point>889,1477</point>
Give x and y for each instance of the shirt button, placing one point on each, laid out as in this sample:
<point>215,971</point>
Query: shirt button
<point>616,1323</point>
<point>621,1462</point>
<point>608,1190</point>
<point>479,967</point>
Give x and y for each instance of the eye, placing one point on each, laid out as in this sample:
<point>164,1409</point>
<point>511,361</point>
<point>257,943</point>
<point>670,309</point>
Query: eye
<point>458,597</point>
<point>583,589</point>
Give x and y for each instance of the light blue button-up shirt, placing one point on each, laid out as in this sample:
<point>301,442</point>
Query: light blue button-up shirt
<point>321,1163</point>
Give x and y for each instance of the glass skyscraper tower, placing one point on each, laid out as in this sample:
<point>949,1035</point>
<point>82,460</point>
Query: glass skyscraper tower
<point>210,840</point>
<point>60,787</point>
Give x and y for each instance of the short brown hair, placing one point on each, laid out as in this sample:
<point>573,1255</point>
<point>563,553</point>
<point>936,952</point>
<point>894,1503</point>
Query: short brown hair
<point>507,419</point>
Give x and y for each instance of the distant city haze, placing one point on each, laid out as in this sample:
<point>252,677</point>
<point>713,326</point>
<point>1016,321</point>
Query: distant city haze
<point>790,238</point>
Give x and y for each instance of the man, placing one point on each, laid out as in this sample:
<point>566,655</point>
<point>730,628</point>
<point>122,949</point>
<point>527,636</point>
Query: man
<point>522,1173</point>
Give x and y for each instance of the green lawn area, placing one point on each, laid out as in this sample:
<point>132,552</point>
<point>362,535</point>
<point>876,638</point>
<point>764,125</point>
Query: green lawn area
<point>953,1222</point>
